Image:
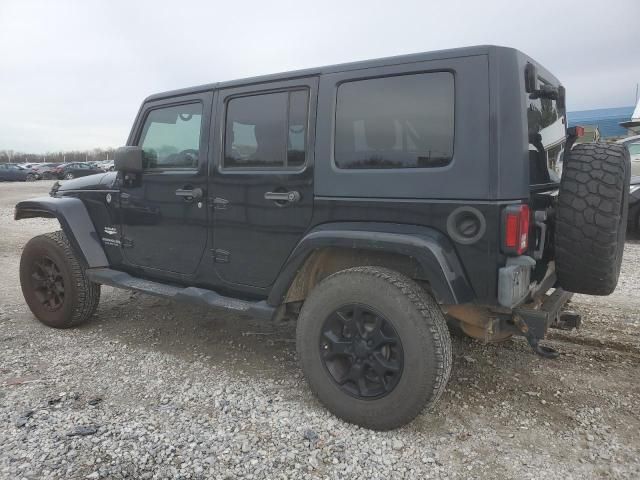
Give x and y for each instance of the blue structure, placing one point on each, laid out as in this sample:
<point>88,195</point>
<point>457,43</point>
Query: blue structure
<point>606,119</point>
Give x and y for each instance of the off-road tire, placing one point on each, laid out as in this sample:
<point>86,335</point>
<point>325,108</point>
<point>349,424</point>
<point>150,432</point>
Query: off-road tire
<point>421,328</point>
<point>81,296</point>
<point>592,217</point>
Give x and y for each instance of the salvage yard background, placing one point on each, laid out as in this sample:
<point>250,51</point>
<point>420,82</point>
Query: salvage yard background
<point>151,389</point>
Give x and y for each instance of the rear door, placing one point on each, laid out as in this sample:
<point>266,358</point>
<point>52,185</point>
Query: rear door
<point>262,186</point>
<point>163,210</point>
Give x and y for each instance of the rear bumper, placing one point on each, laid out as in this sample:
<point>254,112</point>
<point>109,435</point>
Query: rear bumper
<point>531,316</point>
<point>534,322</point>
<point>537,310</point>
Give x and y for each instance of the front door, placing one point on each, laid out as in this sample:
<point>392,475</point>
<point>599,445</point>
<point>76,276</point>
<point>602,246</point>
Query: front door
<point>262,187</point>
<point>163,210</point>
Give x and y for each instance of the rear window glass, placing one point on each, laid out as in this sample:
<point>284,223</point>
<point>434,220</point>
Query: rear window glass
<point>546,125</point>
<point>541,113</point>
<point>395,122</point>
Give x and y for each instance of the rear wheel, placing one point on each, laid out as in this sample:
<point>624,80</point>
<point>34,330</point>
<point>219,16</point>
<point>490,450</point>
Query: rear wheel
<point>30,177</point>
<point>68,176</point>
<point>54,283</point>
<point>374,347</point>
<point>592,217</point>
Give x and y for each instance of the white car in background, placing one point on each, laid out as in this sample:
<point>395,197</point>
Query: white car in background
<point>633,144</point>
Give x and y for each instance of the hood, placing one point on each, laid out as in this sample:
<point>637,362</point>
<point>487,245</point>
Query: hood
<point>99,181</point>
<point>635,180</point>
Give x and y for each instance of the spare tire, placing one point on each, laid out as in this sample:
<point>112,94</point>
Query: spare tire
<point>591,217</point>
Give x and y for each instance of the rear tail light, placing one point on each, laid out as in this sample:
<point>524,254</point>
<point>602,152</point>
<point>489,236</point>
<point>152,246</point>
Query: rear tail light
<point>576,131</point>
<point>515,226</point>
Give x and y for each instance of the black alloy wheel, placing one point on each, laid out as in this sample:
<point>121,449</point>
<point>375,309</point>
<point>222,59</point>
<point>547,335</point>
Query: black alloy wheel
<point>361,351</point>
<point>48,284</point>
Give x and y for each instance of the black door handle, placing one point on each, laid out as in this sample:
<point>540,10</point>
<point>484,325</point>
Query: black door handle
<point>282,197</point>
<point>190,194</point>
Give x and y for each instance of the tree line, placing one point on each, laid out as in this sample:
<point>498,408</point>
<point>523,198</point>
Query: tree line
<point>94,155</point>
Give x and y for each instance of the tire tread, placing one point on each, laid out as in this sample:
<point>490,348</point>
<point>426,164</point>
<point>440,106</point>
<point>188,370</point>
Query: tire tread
<point>591,218</point>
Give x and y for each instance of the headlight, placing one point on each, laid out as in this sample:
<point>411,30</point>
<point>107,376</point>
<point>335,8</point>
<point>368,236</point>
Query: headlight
<point>634,188</point>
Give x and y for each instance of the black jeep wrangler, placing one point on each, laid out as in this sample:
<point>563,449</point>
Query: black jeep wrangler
<point>373,201</point>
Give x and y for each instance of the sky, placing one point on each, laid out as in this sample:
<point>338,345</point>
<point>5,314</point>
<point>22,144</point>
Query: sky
<point>74,73</point>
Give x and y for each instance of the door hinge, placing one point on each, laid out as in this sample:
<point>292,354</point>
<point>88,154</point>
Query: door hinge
<point>219,203</point>
<point>221,256</point>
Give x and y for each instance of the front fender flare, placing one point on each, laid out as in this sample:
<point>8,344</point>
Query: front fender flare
<point>75,222</point>
<point>433,251</point>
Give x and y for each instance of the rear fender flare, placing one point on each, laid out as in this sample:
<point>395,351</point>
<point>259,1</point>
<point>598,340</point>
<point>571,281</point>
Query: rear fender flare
<point>75,222</point>
<point>439,264</point>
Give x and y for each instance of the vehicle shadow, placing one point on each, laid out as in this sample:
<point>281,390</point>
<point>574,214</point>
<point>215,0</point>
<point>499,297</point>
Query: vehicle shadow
<point>193,332</point>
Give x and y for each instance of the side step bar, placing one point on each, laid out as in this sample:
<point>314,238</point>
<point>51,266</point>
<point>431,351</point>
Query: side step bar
<point>198,296</point>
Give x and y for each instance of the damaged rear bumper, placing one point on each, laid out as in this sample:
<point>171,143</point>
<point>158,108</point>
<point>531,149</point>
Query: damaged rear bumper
<point>531,317</point>
<point>532,323</point>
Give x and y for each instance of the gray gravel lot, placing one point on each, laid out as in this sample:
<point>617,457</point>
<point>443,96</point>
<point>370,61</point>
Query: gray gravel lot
<point>151,389</point>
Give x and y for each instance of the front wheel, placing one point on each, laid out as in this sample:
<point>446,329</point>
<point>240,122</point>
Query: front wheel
<point>54,283</point>
<point>30,178</point>
<point>374,347</point>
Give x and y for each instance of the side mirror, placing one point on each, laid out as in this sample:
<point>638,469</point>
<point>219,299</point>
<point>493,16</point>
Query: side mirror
<point>128,159</point>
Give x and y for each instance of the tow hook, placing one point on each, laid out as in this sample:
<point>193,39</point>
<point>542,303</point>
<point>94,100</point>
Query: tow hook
<point>534,341</point>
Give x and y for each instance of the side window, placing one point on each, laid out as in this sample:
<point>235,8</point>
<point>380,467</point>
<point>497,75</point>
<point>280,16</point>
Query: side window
<point>395,122</point>
<point>266,131</point>
<point>170,136</point>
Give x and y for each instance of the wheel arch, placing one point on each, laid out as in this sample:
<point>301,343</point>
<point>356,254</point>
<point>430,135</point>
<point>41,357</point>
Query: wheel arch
<point>74,221</point>
<point>421,253</point>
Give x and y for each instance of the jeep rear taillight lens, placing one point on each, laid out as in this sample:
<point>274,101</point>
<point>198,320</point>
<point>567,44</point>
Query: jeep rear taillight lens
<point>515,225</point>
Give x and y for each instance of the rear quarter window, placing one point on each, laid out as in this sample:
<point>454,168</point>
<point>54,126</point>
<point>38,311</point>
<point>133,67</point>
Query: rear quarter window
<point>396,122</point>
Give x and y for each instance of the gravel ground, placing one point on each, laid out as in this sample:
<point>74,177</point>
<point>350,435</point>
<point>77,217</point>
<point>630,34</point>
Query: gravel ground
<point>150,389</point>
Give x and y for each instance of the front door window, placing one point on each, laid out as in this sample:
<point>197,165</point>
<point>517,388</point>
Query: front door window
<point>171,137</point>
